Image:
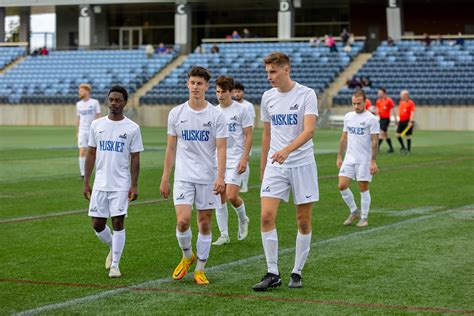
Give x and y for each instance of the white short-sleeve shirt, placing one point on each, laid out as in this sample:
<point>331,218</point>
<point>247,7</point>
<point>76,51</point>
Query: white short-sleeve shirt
<point>285,112</point>
<point>115,141</point>
<point>237,118</point>
<point>250,108</point>
<point>359,128</point>
<point>196,133</point>
<point>87,111</point>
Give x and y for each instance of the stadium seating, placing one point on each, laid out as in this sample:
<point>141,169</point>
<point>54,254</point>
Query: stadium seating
<point>54,79</point>
<point>315,67</point>
<point>9,54</point>
<point>439,74</point>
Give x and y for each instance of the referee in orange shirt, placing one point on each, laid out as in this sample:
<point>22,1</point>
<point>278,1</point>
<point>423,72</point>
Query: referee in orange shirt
<point>406,112</point>
<point>384,108</point>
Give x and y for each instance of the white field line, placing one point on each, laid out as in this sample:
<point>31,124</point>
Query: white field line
<point>412,211</point>
<point>282,252</point>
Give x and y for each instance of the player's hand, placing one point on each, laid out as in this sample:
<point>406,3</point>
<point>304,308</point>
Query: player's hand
<point>242,166</point>
<point>280,156</point>
<point>219,186</point>
<point>132,194</point>
<point>339,162</point>
<point>410,124</point>
<point>165,188</point>
<point>87,191</point>
<point>373,167</point>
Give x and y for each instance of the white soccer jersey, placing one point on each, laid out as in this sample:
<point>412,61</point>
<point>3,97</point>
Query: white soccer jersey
<point>250,108</point>
<point>285,112</point>
<point>359,128</point>
<point>115,141</point>
<point>196,133</point>
<point>237,118</point>
<point>87,110</point>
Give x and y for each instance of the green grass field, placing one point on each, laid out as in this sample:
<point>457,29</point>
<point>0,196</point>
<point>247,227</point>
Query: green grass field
<point>416,257</point>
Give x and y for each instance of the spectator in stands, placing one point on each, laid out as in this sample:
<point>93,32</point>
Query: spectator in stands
<point>439,40</point>
<point>149,50</point>
<point>354,83</point>
<point>426,39</point>
<point>44,51</point>
<point>199,50</point>
<point>35,52</point>
<point>460,40</point>
<point>347,48</point>
<point>390,42</point>
<point>315,41</point>
<point>215,49</point>
<point>366,82</point>
<point>331,43</point>
<point>162,49</point>
<point>344,37</point>
<point>247,33</point>
<point>235,35</point>
<point>351,40</point>
<point>406,112</point>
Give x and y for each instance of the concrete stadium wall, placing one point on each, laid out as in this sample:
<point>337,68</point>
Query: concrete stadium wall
<point>455,118</point>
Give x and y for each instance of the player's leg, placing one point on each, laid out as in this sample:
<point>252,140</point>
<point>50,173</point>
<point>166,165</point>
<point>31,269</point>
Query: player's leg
<point>82,143</point>
<point>408,136</point>
<point>387,137</point>
<point>364,203</point>
<point>203,245</point>
<point>99,212</point>
<point>400,128</point>
<point>222,216</point>
<point>232,192</point>
<point>245,179</point>
<point>346,173</point>
<point>118,203</point>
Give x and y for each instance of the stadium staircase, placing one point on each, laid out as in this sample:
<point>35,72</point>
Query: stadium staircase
<point>12,64</point>
<point>156,79</point>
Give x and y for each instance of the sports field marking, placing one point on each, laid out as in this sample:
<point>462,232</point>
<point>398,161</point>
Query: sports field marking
<point>249,297</point>
<point>408,212</point>
<point>232,264</point>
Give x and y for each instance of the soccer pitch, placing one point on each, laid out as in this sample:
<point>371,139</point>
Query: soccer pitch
<point>417,255</point>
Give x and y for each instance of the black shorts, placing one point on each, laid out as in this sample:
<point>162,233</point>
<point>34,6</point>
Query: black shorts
<point>401,127</point>
<point>384,123</point>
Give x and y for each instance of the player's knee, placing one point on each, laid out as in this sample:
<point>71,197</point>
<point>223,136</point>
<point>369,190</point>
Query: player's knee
<point>204,227</point>
<point>342,186</point>
<point>267,220</point>
<point>233,198</point>
<point>182,225</point>
<point>98,227</point>
<point>304,227</point>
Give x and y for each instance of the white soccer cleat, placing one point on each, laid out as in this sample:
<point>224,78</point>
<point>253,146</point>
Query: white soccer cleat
<point>352,218</point>
<point>363,223</point>
<point>243,229</point>
<point>244,188</point>
<point>108,260</point>
<point>114,272</point>
<point>222,240</point>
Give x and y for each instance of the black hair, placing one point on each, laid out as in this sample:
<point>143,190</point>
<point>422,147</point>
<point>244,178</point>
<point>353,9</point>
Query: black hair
<point>121,90</point>
<point>383,89</point>
<point>239,86</point>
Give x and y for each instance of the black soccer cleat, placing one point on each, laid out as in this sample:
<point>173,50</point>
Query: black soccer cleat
<point>295,281</point>
<point>270,280</point>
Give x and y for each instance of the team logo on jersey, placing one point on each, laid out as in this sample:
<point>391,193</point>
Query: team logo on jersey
<point>124,136</point>
<point>307,196</point>
<point>184,121</point>
<point>100,132</point>
<point>180,197</point>
<point>93,210</point>
<point>211,203</point>
<point>363,123</point>
<point>208,124</point>
<point>285,119</point>
<point>234,118</point>
<point>294,107</point>
<point>267,189</point>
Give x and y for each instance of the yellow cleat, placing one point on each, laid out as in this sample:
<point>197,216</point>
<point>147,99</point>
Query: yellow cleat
<point>183,267</point>
<point>200,277</point>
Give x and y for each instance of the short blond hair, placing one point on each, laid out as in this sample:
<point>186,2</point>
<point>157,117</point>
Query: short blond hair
<point>277,58</point>
<point>85,86</point>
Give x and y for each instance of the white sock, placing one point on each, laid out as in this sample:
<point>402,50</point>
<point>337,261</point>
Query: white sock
<point>82,164</point>
<point>365,204</point>
<point>240,211</point>
<point>184,241</point>
<point>245,177</point>
<point>303,243</point>
<point>222,215</point>
<point>203,246</point>
<point>348,197</point>
<point>105,236</point>
<point>270,247</point>
<point>118,243</point>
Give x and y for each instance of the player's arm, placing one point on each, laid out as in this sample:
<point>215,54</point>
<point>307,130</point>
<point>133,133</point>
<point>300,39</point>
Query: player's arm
<point>394,113</point>
<point>89,166</point>
<point>134,170</point>
<point>342,149</point>
<point>265,147</point>
<point>247,146</point>
<point>221,145</point>
<point>170,156</point>
<point>412,118</point>
<point>78,121</point>
<point>307,134</point>
<point>375,148</point>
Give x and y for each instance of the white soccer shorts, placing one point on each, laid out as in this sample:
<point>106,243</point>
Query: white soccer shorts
<point>303,182</point>
<point>358,172</point>
<point>105,204</point>
<point>232,176</point>
<point>200,195</point>
<point>83,139</point>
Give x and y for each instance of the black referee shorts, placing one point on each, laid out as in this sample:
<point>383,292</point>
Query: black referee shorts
<point>401,127</point>
<point>384,123</point>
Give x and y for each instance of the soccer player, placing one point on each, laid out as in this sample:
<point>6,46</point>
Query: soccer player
<point>239,126</point>
<point>289,111</point>
<point>87,110</point>
<point>115,144</point>
<point>406,112</point>
<point>385,107</point>
<point>239,93</point>
<point>195,130</point>
<point>359,140</point>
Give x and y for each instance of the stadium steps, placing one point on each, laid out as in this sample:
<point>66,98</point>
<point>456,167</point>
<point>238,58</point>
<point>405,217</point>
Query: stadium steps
<point>12,64</point>
<point>157,78</point>
<point>348,73</point>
